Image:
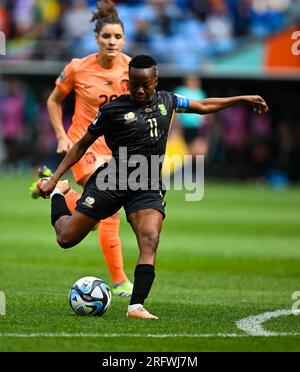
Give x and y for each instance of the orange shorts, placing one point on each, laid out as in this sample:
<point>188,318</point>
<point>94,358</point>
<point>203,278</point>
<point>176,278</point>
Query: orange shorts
<point>88,164</point>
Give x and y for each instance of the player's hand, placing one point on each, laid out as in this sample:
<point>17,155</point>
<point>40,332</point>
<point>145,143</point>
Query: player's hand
<point>64,145</point>
<point>46,186</point>
<point>258,103</point>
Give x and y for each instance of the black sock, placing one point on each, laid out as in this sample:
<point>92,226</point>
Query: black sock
<point>143,279</point>
<point>59,208</point>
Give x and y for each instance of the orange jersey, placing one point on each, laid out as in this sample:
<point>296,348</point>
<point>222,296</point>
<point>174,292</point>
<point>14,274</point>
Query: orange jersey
<point>94,86</point>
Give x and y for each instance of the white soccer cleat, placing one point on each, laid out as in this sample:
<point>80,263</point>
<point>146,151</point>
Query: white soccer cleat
<point>140,312</point>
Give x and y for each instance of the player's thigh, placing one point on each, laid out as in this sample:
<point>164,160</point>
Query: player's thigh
<point>146,223</point>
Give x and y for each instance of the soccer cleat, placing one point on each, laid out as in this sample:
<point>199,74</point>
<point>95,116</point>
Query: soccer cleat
<point>123,289</point>
<point>34,191</point>
<point>43,172</point>
<point>141,313</point>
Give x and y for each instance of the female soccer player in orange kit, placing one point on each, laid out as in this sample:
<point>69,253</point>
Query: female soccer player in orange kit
<point>96,80</point>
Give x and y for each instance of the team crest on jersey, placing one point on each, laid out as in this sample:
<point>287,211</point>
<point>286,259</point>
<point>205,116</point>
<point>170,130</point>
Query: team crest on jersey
<point>163,109</point>
<point>130,117</point>
<point>89,201</point>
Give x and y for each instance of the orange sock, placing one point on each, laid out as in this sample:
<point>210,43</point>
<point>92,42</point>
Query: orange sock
<point>71,198</point>
<point>112,249</point>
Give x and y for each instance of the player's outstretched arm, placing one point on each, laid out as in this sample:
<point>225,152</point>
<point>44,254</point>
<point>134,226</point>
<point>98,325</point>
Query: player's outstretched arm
<point>72,157</point>
<point>54,105</point>
<point>210,105</point>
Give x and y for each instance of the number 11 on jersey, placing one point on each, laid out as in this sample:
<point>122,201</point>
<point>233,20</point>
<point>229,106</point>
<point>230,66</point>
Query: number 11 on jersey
<point>153,127</point>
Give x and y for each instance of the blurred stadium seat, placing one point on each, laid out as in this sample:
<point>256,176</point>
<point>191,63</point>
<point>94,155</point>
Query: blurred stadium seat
<point>199,30</point>
<point>235,46</point>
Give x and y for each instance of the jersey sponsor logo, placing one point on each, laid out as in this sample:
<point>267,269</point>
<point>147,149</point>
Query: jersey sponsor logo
<point>148,109</point>
<point>130,117</point>
<point>89,201</point>
<point>163,109</point>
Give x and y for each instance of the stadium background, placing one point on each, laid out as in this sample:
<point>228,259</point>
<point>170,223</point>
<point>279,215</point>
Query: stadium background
<point>235,47</point>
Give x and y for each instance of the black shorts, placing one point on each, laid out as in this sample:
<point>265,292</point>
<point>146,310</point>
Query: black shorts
<point>101,204</point>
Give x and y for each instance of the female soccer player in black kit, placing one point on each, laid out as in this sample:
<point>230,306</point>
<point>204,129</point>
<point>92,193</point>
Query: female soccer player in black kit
<point>139,123</point>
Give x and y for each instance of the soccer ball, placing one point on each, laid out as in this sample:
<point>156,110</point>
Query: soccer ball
<point>90,296</point>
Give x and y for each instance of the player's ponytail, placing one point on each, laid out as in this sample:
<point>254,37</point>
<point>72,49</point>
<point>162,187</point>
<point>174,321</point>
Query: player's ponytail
<point>107,14</point>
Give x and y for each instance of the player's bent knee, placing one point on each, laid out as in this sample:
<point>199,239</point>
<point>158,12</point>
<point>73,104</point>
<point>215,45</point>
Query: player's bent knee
<point>65,244</point>
<point>65,241</point>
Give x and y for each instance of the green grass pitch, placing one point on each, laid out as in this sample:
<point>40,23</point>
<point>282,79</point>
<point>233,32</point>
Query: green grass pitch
<point>233,255</point>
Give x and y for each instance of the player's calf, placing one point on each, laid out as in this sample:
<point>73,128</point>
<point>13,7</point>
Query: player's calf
<point>148,241</point>
<point>70,229</point>
<point>146,225</point>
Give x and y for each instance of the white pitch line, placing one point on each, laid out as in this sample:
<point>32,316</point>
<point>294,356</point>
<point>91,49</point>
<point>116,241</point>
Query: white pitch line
<point>137,335</point>
<point>253,324</point>
<point>108,335</point>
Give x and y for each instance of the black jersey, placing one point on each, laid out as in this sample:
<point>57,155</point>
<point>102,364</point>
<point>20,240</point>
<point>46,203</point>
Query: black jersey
<point>137,134</point>
<point>143,130</point>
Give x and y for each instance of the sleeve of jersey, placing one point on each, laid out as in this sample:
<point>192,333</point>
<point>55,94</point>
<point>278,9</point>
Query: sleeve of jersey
<point>100,124</point>
<point>65,81</point>
<point>182,103</point>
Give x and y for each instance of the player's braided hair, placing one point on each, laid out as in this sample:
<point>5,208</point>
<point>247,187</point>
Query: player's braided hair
<point>107,14</point>
<point>142,61</point>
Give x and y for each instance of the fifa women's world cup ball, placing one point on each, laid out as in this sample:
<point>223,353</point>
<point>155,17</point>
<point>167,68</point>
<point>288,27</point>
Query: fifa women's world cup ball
<point>90,296</point>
